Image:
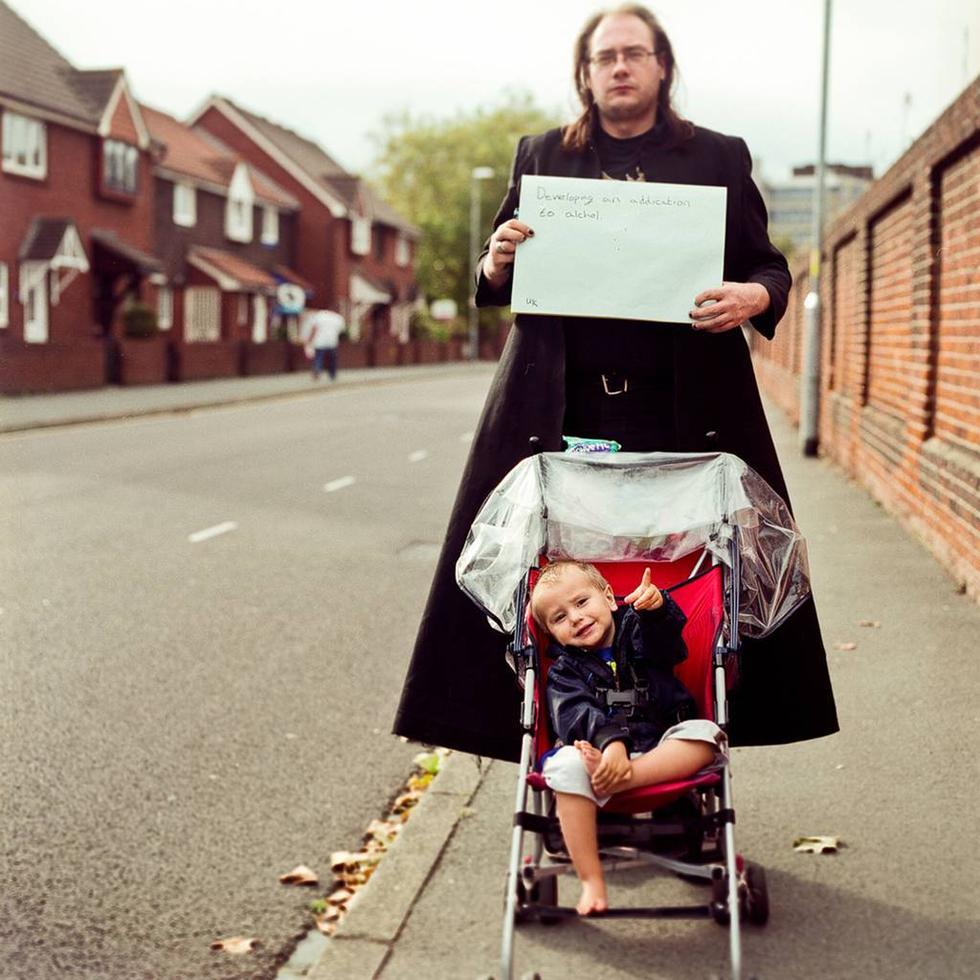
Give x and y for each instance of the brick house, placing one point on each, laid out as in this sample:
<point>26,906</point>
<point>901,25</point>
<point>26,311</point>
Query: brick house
<point>76,197</point>
<point>225,234</point>
<point>355,249</point>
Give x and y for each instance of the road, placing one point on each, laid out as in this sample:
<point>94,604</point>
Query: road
<point>205,625</point>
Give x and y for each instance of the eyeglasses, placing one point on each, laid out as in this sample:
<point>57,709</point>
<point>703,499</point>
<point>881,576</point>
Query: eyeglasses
<point>631,56</point>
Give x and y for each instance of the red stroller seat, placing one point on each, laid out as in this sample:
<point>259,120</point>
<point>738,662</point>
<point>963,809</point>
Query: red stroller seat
<point>701,600</point>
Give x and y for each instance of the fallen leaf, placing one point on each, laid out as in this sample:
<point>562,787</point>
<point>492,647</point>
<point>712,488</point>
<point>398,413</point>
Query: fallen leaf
<point>350,861</point>
<point>871,623</point>
<point>329,918</point>
<point>845,646</point>
<point>235,945</point>
<point>354,879</point>
<point>418,783</point>
<point>340,897</point>
<point>817,845</point>
<point>300,875</point>
<point>405,802</point>
<point>383,831</point>
<point>467,811</point>
<point>427,761</point>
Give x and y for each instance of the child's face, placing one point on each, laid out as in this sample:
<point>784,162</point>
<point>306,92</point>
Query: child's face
<point>575,612</point>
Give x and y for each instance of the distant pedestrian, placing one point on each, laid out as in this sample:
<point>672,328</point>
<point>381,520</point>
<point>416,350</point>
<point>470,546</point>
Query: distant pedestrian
<point>322,334</point>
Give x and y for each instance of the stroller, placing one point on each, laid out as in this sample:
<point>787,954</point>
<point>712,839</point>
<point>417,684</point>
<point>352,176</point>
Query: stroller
<point>724,545</point>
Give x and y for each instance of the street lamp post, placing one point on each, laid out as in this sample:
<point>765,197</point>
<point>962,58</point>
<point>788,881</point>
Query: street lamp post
<point>810,375</point>
<point>477,174</point>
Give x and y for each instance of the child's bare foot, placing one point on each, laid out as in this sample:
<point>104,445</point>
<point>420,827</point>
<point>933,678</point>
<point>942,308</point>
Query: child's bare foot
<point>591,756</point>
<point>593,898</point>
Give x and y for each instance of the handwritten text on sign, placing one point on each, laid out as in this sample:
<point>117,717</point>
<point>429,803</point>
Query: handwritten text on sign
<point>604,248</point>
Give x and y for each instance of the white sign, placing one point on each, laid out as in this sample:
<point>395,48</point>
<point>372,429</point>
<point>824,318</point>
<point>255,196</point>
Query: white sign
<point>443,309</point>
<point>290,297</point>
<point>621,249</point>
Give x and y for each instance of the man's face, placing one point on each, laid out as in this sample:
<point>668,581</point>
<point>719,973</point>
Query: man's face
<point>625,90</point>
<point>575,612</point>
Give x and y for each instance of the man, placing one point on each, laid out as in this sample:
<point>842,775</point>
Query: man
<point>652,387</point>
<point>322,333</point>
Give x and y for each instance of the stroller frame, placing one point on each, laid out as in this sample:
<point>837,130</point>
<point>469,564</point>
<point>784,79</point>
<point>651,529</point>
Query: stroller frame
<point>532,886</point>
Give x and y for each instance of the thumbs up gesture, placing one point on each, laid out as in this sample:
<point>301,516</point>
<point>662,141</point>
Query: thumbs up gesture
<point>646,595</point>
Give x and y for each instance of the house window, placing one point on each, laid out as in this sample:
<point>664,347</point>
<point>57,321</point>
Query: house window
<point>270,226</point>
<point>185,205</point>
<point>24,146</point>
<point>4,295</point>
<point>379,245</point>
<point>403,252</point>
<point>360,236</point>
<point>238,211</point>
<point>202,314</point>
<point>165,307</point>
<point>260,322</point>
<point>242,309</point>
<point>120,166</point>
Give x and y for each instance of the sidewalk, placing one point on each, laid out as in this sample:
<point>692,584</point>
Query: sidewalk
<point>98,404</point>
<point>899,901</point>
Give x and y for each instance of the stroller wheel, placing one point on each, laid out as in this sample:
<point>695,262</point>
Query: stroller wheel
<point>547,895</point>
<point>542,894</point>
<point>753,896</point>
<point>719,900</point>
<point>756,898</point>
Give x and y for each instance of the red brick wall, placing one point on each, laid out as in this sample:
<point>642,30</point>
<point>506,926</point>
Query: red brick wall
<point>900,357</point>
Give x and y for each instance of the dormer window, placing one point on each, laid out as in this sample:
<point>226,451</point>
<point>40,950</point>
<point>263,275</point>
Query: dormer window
<point>270,226</point>
<point>238,211</point>
<point>120,166</point>
<point>185,205</point>
<point>402,251</point>
<point>360,235</point>
<point>24,146</point>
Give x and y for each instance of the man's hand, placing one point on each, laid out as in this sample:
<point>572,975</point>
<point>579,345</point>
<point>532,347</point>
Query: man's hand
<point>646,595</point>
<point>613,770</point>
<point>503,247</point>
<point>717,310</point>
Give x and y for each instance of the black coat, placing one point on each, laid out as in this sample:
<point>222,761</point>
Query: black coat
<point>647,646</point>
<point>459,691</point>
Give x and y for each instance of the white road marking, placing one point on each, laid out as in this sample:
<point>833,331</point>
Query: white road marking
<point>344,481</point>
<point>212,532</point>
<point>418,455</point>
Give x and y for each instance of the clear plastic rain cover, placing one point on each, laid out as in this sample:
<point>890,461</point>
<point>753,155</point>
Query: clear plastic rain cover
<point>636,507</point>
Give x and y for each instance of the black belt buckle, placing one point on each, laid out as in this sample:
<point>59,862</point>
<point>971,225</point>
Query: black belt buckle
<point>614,380</point>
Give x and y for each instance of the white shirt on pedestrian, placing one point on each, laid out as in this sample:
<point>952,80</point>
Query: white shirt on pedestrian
<point>323,328</point>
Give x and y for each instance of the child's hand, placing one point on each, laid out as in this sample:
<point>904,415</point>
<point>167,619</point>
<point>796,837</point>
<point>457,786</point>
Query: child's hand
<point>646,595</point>
<point>614,769</point>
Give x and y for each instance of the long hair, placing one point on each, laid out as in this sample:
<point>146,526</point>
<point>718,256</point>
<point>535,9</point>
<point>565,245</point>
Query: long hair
<point>576,135</point>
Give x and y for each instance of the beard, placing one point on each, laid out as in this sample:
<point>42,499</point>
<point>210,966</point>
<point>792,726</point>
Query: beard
<point>622,110</point>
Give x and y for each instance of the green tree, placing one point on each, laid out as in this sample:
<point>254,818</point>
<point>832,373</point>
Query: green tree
<point>423,169</point>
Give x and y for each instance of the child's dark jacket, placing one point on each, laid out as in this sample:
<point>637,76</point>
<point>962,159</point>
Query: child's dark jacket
<point>647,646</point>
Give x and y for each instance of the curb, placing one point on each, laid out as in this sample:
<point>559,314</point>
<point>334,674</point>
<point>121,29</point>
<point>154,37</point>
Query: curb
<point>369,931</point>
<point>123,415</point>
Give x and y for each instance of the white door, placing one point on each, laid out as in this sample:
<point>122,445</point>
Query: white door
<point>36,310</point>
<point>260,325</point>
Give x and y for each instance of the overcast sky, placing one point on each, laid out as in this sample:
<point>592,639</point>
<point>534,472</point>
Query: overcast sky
<point>333,70</point>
